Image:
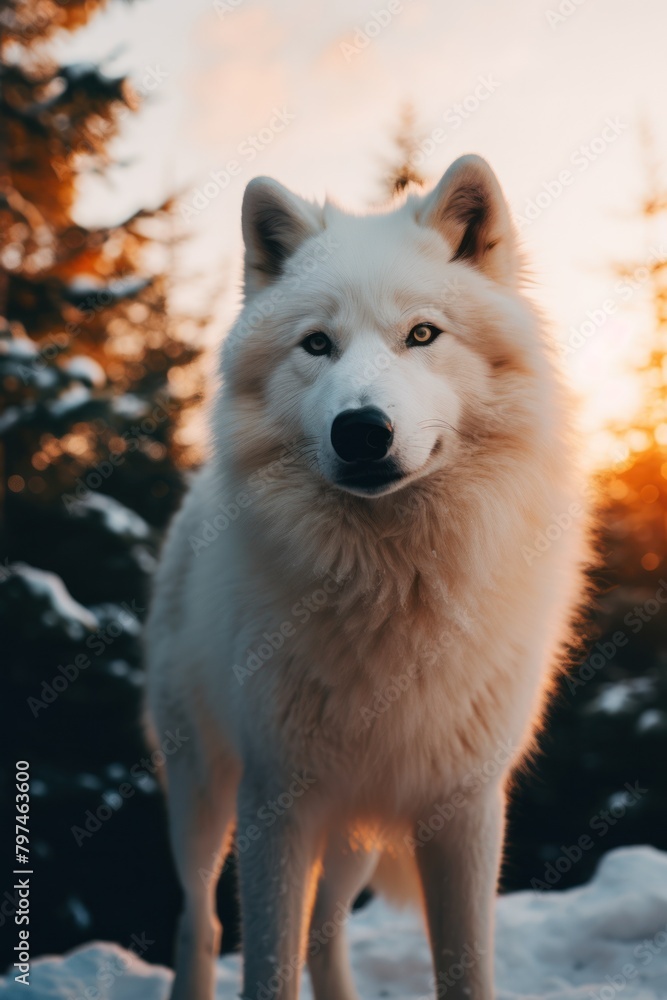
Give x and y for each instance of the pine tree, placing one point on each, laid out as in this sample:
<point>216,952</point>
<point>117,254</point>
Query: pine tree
<point>648,426</point>
<point>84,322</point>
<point>638,482</point>
<point>96,379</point>
<point>402,169</point>
<point>608,731</point>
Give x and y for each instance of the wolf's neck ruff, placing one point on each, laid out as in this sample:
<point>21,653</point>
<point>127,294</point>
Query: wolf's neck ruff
<point>429,550</point>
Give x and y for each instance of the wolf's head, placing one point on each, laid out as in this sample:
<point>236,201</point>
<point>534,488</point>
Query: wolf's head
<point>386,348</point>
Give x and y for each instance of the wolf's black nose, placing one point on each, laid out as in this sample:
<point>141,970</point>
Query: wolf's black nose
<point>363,435</point>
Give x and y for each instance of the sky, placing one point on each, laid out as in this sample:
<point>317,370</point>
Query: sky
<point>556,94</point>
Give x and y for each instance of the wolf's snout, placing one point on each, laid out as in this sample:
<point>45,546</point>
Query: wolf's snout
<point>363,435</point>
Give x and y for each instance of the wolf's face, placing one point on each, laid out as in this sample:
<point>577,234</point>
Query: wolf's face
<point>381,347</point>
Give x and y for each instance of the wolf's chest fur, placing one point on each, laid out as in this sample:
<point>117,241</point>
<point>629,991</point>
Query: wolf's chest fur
<point>401,687</point>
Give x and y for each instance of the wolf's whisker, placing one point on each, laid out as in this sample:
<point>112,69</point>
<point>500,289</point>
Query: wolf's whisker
<point>437,422</point>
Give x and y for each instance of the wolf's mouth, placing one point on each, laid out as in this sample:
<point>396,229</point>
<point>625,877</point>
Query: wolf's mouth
<point>369,477</point>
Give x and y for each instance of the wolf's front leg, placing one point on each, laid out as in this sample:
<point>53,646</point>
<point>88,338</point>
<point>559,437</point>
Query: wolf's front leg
<point>458,867</point>
<point>279,860</point>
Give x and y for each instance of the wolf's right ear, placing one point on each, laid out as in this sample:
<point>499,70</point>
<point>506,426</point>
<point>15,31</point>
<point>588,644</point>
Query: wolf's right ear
<point>469,209</point>
<point>274,223</point>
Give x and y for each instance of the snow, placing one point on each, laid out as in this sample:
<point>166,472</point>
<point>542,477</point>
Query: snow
<point>69,400</point>
<point>12,416</point>
<point>623,696</point>
<point>595,942</point>
<point>60,605</point>
<point>115,973</point>
<point>130,406</point>
<point>651,719</point>
<point>21,348</point>
<point>86,370</point>
<point>87,292</point>
<point>116,517</point>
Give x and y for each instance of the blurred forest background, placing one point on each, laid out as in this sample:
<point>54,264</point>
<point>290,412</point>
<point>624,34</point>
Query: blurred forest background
<point>98,376</point>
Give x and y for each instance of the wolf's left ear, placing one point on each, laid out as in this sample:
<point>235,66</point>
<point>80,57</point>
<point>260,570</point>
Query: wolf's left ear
<point>274,223</point>
<point>468,207</point>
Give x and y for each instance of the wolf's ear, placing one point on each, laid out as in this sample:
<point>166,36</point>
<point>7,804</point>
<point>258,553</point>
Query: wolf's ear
<point>274,223</point>
<point>468,207</point>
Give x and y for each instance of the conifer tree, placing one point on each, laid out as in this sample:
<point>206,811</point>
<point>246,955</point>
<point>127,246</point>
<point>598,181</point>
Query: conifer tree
<point>97,376</point>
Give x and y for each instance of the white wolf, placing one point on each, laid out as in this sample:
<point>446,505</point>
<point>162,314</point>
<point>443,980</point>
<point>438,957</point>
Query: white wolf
<point>365,597</point>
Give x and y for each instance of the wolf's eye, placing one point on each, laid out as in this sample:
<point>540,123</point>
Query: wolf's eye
<point>316,343</point>
<point>423,333</point>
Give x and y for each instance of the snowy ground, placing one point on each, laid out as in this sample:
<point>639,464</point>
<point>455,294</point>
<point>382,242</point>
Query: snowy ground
<point>606,939</point>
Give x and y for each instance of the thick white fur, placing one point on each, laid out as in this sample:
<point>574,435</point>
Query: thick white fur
<point>421,629</point>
